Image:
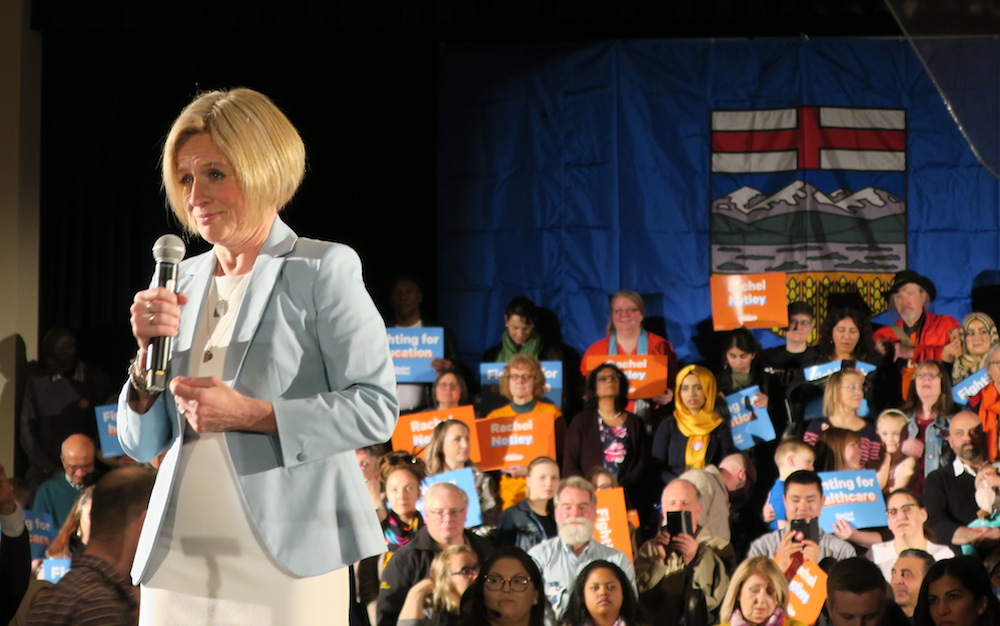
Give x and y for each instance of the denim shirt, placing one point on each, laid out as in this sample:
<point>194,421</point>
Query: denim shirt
<point>935,442</point>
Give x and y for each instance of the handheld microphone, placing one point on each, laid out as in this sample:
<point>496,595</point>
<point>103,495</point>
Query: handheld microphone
<point>168,251</point>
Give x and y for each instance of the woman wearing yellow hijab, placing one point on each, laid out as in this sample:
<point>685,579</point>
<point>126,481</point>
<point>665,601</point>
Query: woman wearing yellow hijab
<point>696,435</point>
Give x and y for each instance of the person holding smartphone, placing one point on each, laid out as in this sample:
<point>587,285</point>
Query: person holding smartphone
<point>682,556</point>
<point>803,540</point>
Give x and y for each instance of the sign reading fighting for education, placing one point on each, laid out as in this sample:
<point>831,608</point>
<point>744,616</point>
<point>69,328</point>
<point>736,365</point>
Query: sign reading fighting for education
<point>807,593</point>
<point>413,431</point>
<point>466,481</point>
<point>518,440</point>
<point>41,532</point>
<point>611,526</point>
<point>412,350</point>
<point>749,300</point>
<point>854,496</point>
<point>107,429</point>
<point>489,375</point>
<point>646,373</point>
<point>749,425</point>
<point>969,387</point>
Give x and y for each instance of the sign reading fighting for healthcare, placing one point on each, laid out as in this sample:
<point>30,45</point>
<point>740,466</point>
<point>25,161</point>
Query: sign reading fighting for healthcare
<point>465,480</point>
<point>489,375</point>
<point>107,429</point>
<point>969,387</point>
<point>41,532</point>
<point>807,593</point>
<point>824,370</point>
<point>611,527</point>
<point>646,373</point>
<point>412,350</point>
<point>54,569</point>
<point>518,440</point>
<point>854,496</point>
<point>749,300</point>
<point>748,424</point>
<point>413,431</point>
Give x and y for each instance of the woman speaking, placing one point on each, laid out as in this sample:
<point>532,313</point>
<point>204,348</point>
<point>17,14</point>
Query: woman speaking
<point>280,370</point>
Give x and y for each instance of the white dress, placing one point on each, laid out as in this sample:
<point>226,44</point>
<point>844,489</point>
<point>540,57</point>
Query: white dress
<point>209,567</point>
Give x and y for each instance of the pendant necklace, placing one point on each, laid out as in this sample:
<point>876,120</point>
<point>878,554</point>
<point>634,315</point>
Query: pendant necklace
<point>222,320</point>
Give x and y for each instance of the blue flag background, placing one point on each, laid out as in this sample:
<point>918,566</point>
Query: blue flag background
<point>569,171</point>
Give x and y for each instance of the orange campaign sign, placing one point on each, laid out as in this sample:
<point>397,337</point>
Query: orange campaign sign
<point>807,593</point>
<point>749,300</point>
<point>518,440</point>
<point>646,373</point>
<point>413,431</point>
<point>611,528</point>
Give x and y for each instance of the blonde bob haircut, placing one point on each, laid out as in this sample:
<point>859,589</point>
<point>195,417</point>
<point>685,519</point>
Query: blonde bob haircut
<point>628,294</point>
<point>528,362</point>
<point>764,567</point>
<point>831,395</point>
<point>262,146</point>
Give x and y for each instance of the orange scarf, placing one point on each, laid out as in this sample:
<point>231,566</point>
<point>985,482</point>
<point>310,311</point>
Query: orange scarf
<point>988,412</point>
<point>697,427</point>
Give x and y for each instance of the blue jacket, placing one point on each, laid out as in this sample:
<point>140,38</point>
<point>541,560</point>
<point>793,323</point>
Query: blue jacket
<point>520,526</point>
<point>309,340</point>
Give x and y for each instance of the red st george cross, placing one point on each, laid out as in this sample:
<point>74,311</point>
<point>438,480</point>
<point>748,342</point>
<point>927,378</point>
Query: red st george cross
<point>808,139</point>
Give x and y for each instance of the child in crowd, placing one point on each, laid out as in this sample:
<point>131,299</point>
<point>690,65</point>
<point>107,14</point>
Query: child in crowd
<point>902,454</point>
<point>791,455</point>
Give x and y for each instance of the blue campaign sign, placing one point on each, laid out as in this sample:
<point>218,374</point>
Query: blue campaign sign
<point>489,375</point>
<point>823,370</point>
<point>465,480</point>
<point>970,387</point>
<point>107,428</point>
<point>748,424</point>
<point>854,496</point>
<point>41,532</point>
<point>54,569</point>
<point>412,351</point>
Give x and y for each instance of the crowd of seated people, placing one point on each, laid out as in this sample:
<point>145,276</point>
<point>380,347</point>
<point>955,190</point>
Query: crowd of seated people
<point>719,534</point>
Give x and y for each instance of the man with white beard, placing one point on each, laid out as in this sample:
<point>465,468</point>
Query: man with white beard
<point>561,558</point>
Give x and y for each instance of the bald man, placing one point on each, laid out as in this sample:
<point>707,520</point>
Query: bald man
<point>667,566</point>
<point>950,490</point>
<point>57,495</point>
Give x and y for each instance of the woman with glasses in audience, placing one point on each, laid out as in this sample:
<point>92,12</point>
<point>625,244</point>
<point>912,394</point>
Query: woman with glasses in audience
<point>602,596</point>
<point>696,435</point>
<point>449,450</point>
<point>841,400</point>
<point>523,383</point>
<point>757,596</point>
<point>627,336</point>
<point>435,601</point>
<point>607,435</point>
<point>531,521</point>
<point>449,391</point>
<point>928,408</point>
<point>510,591</point>
<point>907,517</point>
<point>957,592</point>
<point>969,345</point>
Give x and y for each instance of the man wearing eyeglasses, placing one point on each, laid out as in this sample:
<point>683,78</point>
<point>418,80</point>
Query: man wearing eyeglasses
<point>561,558</point>
<point>783,364</point>
<point>950,490</point>
<point>57,495</point>
<point>445,507</point>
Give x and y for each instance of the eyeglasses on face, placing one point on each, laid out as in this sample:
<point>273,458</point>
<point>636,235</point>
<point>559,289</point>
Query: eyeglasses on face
<point>497,583</point>
<point>906,509</point>
<point>607,378</point>
<point>522,377</point>
<point>629,311</point>
<point>445,512</point>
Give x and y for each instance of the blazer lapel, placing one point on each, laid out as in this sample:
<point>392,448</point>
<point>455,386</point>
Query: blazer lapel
<point>280,241</point>
<point>194,283</point>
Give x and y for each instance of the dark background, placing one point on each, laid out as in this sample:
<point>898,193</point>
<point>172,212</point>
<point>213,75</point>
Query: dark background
<point>358,79</point>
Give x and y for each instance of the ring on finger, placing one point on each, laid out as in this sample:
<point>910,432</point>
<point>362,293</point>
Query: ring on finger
<point>149,305</point>
<point>152,320</point>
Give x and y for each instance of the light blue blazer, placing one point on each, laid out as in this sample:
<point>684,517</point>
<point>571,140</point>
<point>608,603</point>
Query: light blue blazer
<point>310,340</point>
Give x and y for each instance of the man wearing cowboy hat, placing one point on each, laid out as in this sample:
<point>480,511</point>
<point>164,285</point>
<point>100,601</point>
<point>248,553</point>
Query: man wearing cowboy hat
<point>918,334</point>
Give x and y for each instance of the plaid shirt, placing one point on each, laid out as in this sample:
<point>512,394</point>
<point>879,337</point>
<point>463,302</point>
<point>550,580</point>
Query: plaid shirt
<point>90,594</point>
